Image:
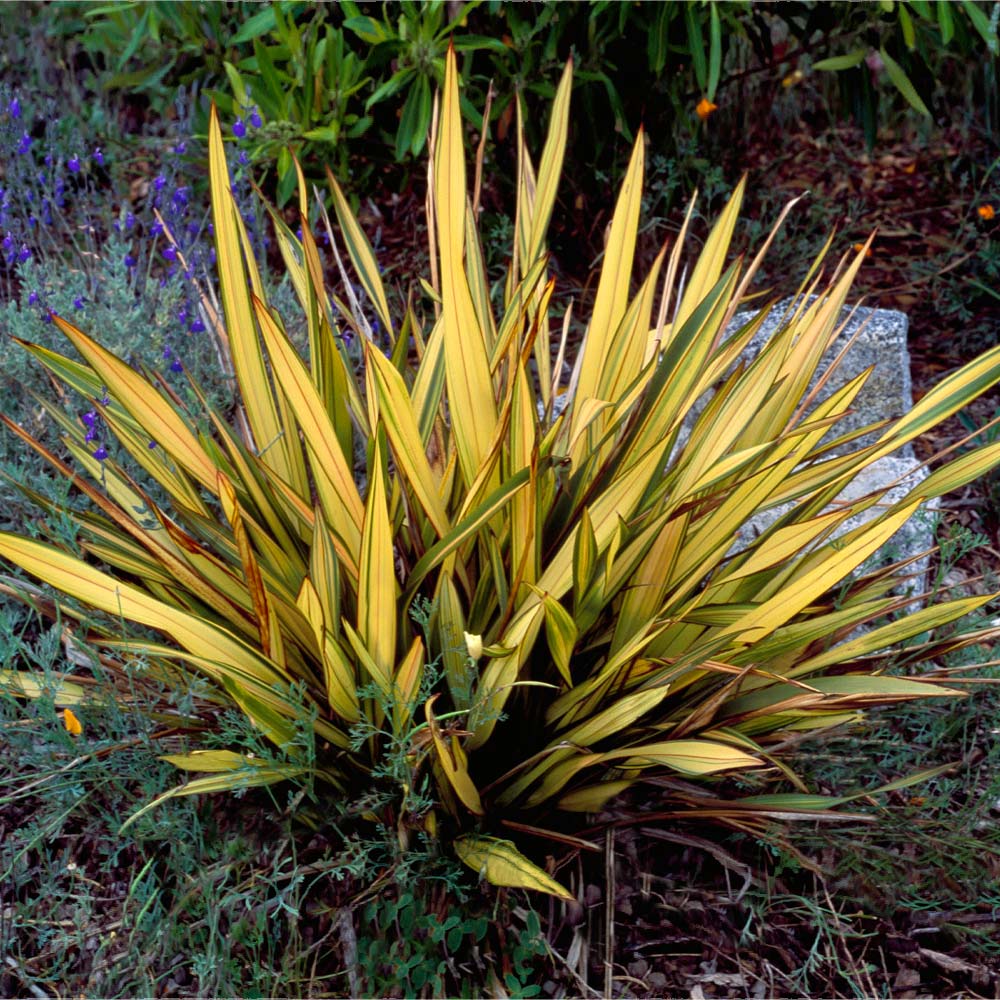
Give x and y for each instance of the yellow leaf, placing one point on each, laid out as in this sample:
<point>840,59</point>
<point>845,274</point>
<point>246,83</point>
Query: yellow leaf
<point>334,479</point>
<point>611,300</point>
<point>593,798</point>
<point>501,863</point>
<point>396,411</point>
<point>466,357</point>
<point>452,760</point>
<point>275,443</point>
<point>158,418</point>
<point>377,588</point>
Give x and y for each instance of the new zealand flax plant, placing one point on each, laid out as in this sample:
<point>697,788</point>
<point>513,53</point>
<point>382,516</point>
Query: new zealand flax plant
<point>590,621</point>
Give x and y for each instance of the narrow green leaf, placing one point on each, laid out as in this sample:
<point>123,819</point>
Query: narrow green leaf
<point>903,84</point>
<point>836,63</point>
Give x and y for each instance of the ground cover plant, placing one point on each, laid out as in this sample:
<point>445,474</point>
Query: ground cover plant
<point>246,738</point>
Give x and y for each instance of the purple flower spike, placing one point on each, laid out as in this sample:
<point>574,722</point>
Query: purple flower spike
<point>78,302</point>
<point>74,164</point>
<point>8,242</point>
<point>98,157</point>
<point>130,261</point>
<point>151,445</point>
<point>89,418</point>
<point>33,299</point>
<point>156,228</point>
<point>254,118</point>
<point>197,326</point>
<point>129,220</point>
<point>25,144</point>
<point>170,253</point>
<point>243,159</point>
<point>23,254</point>
<point>239,129</point>
<point>160,182</point>
<point>181,148</point>
<point>14,108</point>
<point>176,366</point>
<point>101,454</point>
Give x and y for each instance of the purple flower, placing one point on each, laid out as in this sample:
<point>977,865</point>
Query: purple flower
<point>8,242</point>
<point>166,351</point>
<point>159,183</point>
<point>243,159</point>
<point>25,144</point>
<point>181,148</point>
<point>254,118</point>
<point>23,254</point>
<point>105,399</point>
<point>182,315</point>
<point>129,220</point>
<point>197,326</point>
<point>78,302</point>
<point>170,253</point>
<point>74,164</point>
<point>156,228</point>
<point>14,108</point>
<point>151,445</point>
<point>98,157</point>
<point>33,299</point>
<point>90,418</point>
<point>101,454</point>
<point>176,366</point>
<point>130,261</point>
<point>239,129</point>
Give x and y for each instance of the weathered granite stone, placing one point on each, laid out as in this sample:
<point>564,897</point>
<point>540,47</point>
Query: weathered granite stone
<point>888,393</point>
<point>881,343</point>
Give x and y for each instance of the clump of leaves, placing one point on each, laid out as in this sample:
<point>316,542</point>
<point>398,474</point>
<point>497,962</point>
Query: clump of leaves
<point>598,511</point>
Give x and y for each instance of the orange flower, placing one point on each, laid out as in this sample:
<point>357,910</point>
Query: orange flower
<point>705,108</point>
<point>858,247</point>
<point>986,212</point>
<point>73,725</point>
